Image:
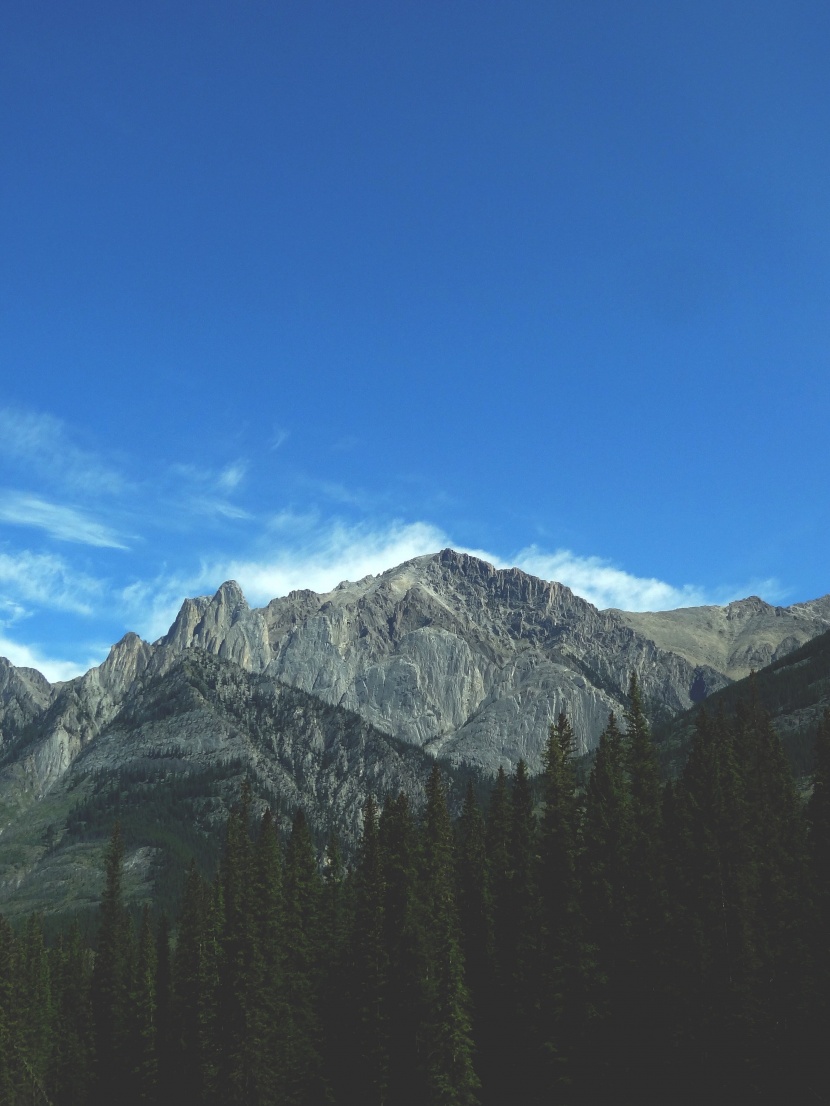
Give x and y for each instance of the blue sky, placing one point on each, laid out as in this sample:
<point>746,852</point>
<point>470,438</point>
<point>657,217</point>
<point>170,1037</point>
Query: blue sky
<point>293,291</point>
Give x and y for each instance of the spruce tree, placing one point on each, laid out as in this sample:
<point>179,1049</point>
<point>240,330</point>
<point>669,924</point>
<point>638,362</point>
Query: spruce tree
<point>71,1068</point>
<point>143,1030</point>
<point>562,961</point>
<point>305,1079</point>
<point>475,907</point>
<point>404,941</point>
<point>446,1033</point>
<point>271,1017</point>
<point>240,967</point>
<point>370,968</point>
<point>110,978</point>
<point>606,895</point>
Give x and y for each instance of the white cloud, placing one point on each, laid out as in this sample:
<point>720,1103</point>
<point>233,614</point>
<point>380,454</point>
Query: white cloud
<point>47,581</point>
<point>232,476</point>
<point>603,584</point>
<point>54,669</point>
<point>42,442</point>
<point>279,437</point>
<point>60,522</point>
<point>317,558</point>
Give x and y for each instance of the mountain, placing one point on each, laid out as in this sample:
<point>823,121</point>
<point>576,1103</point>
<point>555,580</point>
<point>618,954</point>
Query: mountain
<point>736,639</point>
<point>794,689</point>
<point>320,698</point>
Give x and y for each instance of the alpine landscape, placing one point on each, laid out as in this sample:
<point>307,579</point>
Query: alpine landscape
<point>414,614</point>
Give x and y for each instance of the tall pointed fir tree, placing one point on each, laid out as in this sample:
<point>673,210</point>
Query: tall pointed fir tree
<point>475,907</point>
<point>777,836</point>
<point>240,967</point>
<point>404,940</point>
<point>562,958</point>
<point>305,1077</point>
<point>142,1028</point>
<point>606,895</point>
<point>271,1017</point>
<point>370,969</point>
<point>110,978</point>
<point>495,1016</point>
<point>447,1038</point>
<point>194,1010</point>
<point>73,1035</point>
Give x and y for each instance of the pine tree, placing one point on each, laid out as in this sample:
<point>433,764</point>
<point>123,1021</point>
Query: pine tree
<point>9,1046</point>
<point>110,978</point>
<point>143,1086</point>
<point>404,941</point>
<point>71,1064</point>
<point>240,967</point>
<point>305,1081</point>
<point>606,896</point>
<point>370,967</point>
<point>271,1015</point>
<point>448,1045</point>
<point>562,960</point>
<point>35,1002</point>
<point>195,973</point>
<point>475,907</point>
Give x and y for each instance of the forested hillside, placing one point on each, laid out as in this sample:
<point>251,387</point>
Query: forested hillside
<point>627,941</point>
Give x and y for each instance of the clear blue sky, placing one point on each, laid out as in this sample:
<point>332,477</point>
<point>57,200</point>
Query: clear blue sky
<point>291,291</point>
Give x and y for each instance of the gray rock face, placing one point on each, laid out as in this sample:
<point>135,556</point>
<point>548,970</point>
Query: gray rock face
<point>448,653</point>
<point>444,652</point>
<point>24,695</point>
<point>745,635</point>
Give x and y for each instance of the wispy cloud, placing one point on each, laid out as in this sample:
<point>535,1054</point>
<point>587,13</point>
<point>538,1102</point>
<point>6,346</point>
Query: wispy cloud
<point>232,476</point>
<point>279,437</point>
<point>308,557</point>
<point>53,668</point>
<point>59,521</point>
<point>47,581</point>
<point>43,444</point>
<point>206,492</point>
<point>605,585</point>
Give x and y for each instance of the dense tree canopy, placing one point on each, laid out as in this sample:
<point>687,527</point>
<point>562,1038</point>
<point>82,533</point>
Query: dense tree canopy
<point>565,947</point>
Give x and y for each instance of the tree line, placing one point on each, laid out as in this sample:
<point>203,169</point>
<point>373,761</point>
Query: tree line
<point>567,945</point>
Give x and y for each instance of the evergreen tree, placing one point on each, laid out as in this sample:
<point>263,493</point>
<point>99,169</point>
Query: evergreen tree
<point>164,997</point>
<point>475,906</point>
<point>240,968</point>
<point>143,1042</point>
<point>305,1082</point>
<point>73,1035</point>
<point>606,895</point>
<point>448,1045</point>
<point>110,978</point>
<point>562,960</point>
<point>195,974</point>
<point>271,1015</point>
<point>35,1002</point>
<point>404,941</point>
<point>370,967</point>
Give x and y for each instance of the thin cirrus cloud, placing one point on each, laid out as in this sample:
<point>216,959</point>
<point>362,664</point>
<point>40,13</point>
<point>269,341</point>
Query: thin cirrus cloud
<point>42,444</point>
<point>47,581</point>
<point>67,524</point>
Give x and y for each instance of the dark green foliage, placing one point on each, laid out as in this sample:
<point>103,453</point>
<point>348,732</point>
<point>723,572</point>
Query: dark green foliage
<point>304,1074</point>
<point>111,978</point>
<point>446,1032</point>
<point>628,943</point>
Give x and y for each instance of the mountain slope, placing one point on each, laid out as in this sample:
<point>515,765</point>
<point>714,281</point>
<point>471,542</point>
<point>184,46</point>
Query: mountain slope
<point>170,762</point>
<point>450,654</point>
<point>735,639</point>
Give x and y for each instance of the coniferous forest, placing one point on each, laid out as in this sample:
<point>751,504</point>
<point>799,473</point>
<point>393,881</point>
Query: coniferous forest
<point>624,940</point>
